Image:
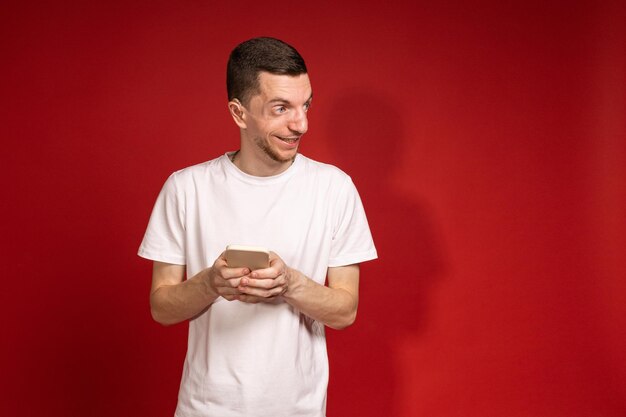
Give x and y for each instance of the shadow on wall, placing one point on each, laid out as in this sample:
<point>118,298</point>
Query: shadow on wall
<point>366,139</point>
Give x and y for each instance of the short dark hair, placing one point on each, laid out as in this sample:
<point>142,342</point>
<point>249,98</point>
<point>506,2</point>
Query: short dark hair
<point>253,56</point>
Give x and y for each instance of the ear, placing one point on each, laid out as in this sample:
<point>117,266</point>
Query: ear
<point>237,112</point>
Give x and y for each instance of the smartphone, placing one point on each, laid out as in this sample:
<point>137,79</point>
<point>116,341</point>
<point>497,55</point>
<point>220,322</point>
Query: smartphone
<point>253,257</point>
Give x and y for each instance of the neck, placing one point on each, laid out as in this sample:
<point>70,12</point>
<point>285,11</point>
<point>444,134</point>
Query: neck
<point>266,167</point>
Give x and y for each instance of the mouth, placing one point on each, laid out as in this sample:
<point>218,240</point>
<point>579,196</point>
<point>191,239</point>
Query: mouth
<point>289,140</point>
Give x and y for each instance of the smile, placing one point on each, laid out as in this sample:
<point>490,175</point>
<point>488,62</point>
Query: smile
<point>289,140</point>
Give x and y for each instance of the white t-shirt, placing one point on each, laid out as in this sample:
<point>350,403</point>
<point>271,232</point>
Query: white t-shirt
<point>257,359</point>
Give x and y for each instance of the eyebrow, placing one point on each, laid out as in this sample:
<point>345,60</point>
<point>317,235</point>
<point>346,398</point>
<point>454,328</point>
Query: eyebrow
<point>285,101</point>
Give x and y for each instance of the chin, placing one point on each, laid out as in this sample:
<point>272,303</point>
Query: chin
<point>288,156</point>
<point>284,158</point>
<point>277,155</point>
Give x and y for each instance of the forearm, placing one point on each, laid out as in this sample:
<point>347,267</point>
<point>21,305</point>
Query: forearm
<point>174,303</point>
<point>335,307</point>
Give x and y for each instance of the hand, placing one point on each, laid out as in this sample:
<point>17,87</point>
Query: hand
<point>224,280</point>
<point>264,285</point>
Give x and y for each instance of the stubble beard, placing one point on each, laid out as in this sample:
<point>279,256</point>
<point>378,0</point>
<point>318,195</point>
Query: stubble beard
<point>273,155</point>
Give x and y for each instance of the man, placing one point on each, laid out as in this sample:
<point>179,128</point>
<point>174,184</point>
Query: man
<point>256,338</point>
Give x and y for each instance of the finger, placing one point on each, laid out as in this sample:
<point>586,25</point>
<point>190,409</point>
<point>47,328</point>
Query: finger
<point>274,256</point>
<point>221,258</point>
<point>266,273</point>
<point>265,283</point>
<point>223,291</point>
<point>253,299</point>
<point>263,293</point>
<point>229,273</point>
<point>230,283</point>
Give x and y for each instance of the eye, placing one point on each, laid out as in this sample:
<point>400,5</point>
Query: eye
<point>280,109</point>
<point>307,106</point>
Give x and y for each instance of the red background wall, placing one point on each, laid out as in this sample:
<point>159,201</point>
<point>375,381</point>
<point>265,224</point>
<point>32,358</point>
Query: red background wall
<point>488,144</point>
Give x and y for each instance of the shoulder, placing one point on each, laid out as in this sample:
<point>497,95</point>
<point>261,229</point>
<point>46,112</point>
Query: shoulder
<point>197,173</point>
<point>324,171</point>
<point>330,183</point>
<point>187,181</point>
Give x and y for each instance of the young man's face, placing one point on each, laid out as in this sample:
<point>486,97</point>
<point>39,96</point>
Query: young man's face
<point>276,118</point>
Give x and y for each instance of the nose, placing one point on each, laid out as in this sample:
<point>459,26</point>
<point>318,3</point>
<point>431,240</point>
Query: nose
<point>299,123</point>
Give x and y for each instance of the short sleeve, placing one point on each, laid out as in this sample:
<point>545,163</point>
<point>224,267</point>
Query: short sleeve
<point>164,240</point>
<point>352,240</point>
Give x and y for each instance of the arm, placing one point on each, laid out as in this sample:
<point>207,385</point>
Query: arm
<point>334,305</point>
<point>174,299</point>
